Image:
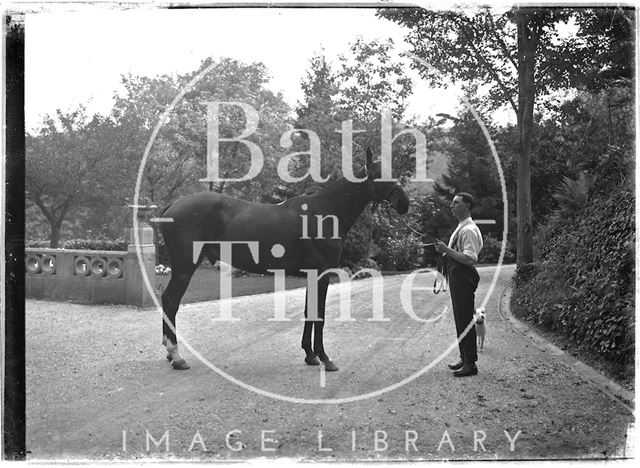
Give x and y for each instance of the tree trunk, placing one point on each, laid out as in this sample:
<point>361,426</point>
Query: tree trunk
<point>527,41</point>
<point>54,235</point>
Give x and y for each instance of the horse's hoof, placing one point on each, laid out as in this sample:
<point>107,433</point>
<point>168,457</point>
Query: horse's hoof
<point>312,360</point>
<point>169,358</point>
<point>330,366</point>
<point>179,364</point>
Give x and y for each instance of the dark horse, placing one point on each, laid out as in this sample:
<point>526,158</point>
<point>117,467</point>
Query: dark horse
<point>292,226</point>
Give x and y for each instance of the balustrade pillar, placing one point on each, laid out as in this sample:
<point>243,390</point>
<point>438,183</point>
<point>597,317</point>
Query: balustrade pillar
<point>138,293</point>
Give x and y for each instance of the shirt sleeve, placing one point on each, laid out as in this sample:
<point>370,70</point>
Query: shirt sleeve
<point>471,243</point>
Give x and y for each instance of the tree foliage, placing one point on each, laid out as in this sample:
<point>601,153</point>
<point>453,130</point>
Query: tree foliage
<point>518,57</point>
<point>608,35</point>
<point>86,168</point>
<point>479,47</point>
<point>172,161</point>
<point>573,195</point>
<point>472,169</point>
<point>371,79</point>
<point>72,167</point>
<point>570,138</point>
<point>319,113</point>
<point>364,82</point>
<point>178,159</point>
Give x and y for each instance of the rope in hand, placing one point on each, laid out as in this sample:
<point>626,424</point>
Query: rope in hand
<point>440,281</point>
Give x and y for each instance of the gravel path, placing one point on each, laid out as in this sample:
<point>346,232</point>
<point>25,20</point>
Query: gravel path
<point>98,386</point>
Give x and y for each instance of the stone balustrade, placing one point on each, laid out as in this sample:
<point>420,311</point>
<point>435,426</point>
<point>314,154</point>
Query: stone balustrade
<point>93,276</point>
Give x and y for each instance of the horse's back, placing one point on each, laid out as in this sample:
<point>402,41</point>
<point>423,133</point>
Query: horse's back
<point>213,217</point>
<point>197,203</point>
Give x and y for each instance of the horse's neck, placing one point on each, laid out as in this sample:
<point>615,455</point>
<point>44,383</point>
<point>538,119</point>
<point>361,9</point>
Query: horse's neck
<point>348,200</point>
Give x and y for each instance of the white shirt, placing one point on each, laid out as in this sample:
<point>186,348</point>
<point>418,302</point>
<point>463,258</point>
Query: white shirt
<point>469,239</point>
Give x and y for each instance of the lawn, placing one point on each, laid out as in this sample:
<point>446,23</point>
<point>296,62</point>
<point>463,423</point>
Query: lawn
<point>205,285</point>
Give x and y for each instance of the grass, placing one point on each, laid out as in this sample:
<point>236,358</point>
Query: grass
<point>205,285</point>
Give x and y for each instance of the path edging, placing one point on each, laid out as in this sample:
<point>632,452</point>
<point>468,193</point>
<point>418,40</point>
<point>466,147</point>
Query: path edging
<point>614,390</point>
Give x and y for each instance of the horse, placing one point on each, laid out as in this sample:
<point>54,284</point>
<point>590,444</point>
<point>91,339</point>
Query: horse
<point>288,237</point>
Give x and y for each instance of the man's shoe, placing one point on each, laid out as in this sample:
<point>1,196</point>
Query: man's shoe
<point>466,370</point>
<point>458,365</point>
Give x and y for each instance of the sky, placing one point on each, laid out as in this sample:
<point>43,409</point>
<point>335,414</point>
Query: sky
<point>76,54</point>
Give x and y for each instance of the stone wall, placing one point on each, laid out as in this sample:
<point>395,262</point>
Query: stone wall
<point>93,276</point>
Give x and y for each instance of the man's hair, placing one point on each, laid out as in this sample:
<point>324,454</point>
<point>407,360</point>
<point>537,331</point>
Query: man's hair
<point>466,198</point>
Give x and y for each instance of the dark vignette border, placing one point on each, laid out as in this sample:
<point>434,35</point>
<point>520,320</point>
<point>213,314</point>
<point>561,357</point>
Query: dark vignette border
<point>13,437</point>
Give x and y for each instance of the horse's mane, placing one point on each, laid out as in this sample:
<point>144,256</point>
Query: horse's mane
<point>334,186</point>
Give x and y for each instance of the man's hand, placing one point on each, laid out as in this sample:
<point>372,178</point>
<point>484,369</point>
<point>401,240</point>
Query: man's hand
<point>440,246</point>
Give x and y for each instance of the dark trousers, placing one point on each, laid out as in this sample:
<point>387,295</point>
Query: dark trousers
<point>463,282</point>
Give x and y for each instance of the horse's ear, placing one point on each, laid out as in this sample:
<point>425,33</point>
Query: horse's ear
<point>369,158</point>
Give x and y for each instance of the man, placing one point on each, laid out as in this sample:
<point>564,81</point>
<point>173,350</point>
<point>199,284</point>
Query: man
<point>462,254</point>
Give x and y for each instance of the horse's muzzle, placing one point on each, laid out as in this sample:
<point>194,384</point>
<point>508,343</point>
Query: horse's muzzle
<point>399,200</point>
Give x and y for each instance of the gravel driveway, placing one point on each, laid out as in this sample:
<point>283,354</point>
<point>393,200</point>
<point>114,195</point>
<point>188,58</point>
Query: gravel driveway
<point>98,386</point>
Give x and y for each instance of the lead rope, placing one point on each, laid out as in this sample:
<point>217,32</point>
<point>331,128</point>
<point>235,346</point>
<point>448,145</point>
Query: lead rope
<point>441,265</point>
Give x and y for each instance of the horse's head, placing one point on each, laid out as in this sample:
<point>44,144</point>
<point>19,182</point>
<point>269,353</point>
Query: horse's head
<point>384,191</point>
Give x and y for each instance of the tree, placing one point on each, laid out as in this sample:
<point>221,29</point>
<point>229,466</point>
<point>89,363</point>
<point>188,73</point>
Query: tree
<point>319,113</point>
<point>366,80</point>
<point>471,168</point>
<point>573,137</point>
<point>609,38</point>
<point>88,166</point>
<point>231,80</point>
<point>517,54</point>
<point>177,160</point>
<point>371,79</point>
<point>171,168</point>
<point>71,166</point>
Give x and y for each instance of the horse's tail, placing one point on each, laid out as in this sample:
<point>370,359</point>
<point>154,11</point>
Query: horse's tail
<point>160,228</point>
<point>164,210</point>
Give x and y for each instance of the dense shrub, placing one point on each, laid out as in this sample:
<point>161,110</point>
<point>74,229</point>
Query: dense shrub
<point>82,244</point>
<point>37,244</point>
<point>358,241</point>
<point>581,283</point>
<point>491,249</point>
<point>398,253</point>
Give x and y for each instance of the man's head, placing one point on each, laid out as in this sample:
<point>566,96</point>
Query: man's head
<point>461,205</point>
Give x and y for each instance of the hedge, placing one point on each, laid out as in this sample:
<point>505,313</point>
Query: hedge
<point>398,254</point>
<point>582,282</point>
<point>82,244</point>
<point>491,249</point>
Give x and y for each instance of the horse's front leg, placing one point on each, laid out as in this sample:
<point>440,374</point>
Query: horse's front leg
<point>318,344</point>
<point>170,303</point>
<point>310,358</point>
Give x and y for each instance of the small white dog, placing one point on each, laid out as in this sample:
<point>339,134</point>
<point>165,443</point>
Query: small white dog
<point>481,328</point>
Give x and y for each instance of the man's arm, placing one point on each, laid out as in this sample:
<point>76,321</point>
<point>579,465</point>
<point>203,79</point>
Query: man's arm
<point>441,247</point>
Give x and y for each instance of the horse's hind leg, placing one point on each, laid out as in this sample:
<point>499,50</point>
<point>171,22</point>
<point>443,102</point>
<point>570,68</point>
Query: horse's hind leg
<point>310,358</point>
<point>318,326</point>
<point>180,277</point>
